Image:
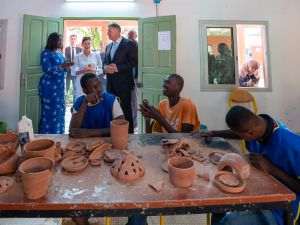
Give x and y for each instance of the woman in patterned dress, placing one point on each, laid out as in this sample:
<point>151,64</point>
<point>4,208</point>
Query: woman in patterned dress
<point>52,87</point>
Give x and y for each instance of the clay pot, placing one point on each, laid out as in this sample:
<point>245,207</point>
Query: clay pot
<point>128,168</point>
<point>182,171</point>
<point>119,133</point>
<point>36,174</point>
<point>41,148</point>
<point>235,163</point>
<point>229,182</point>
<point>8,164</point>
<point>9,142</point>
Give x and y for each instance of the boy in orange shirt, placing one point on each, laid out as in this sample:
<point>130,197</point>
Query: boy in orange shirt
<point>174,114</point>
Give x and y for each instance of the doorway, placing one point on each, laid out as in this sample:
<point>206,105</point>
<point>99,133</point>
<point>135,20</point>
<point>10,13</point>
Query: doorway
<point>97,30</point>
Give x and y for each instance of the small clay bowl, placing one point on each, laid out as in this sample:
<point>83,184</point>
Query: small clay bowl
<point>9,142</point>
<point>41,148</point>
<point>74,163</point>
<point>8,164</point>
<point>76,146</point>
<point>215,157</point>
<point>6,183</point>
<point>182,171</point>
<point>229,182</point>
<point>111,155</point>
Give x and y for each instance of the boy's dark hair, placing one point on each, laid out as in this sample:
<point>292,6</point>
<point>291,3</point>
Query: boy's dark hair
<point>52,41</point>
<point>85,78</point>
<point>115,25</point>
<point>85,39</point>
<point>238,118</point>
<point>179,79</point>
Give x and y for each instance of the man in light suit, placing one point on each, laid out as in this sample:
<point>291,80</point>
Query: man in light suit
<point>121,56</point>
<point>70,53</point>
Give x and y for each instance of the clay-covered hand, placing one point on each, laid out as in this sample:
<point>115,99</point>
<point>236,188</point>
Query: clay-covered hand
<point>260,162</point>
<point>149,111</point>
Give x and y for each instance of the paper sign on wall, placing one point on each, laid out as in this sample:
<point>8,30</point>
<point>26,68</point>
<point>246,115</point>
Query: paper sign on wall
<point>164,40</point>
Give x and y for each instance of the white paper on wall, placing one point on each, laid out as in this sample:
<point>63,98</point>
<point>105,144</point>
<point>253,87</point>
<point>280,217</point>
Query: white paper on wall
<point>164,40</point>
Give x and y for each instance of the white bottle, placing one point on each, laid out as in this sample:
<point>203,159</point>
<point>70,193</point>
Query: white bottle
<point>25,125</point>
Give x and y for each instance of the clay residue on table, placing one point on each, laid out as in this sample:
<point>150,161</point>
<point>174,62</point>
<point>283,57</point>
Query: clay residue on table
<point>95,188</point>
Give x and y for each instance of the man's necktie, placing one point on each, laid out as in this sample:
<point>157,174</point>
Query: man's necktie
<point>113,50</point>
<point>72,54</point>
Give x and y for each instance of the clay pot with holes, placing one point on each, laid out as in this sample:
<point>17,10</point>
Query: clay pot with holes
<point>236,164</point>
<point>128,168</point>
<point>9,142</point>
<point>41,148</point>
<point>182,171</point>
<point>119,133</point>
<point>36,175</point>
<point>8,163</point>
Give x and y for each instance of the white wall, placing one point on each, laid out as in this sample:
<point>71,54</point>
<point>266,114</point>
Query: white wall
<point>282,102</point>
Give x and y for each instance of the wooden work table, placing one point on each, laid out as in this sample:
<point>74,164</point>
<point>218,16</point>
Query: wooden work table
<point>94,192</point>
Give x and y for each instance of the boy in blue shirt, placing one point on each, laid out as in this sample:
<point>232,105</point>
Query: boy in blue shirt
<point>274,149</point>
<point>91,117</point>
<point>93,112</point>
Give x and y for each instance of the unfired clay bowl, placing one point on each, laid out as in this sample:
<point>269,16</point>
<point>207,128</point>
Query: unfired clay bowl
<point>41,148</point>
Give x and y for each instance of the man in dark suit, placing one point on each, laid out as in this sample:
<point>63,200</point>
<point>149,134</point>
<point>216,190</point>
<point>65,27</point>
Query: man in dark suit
<point>120,58</point>
<point>70,53</point>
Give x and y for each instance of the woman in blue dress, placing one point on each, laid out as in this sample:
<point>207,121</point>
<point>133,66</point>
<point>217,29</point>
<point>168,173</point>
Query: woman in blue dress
<point>52,86</point>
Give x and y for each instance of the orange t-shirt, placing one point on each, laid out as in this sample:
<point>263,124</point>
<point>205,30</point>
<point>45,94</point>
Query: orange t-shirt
<point>184,112</point>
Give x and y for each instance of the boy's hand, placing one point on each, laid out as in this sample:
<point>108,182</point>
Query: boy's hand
<point>92,98</point>
<point>149,111</point>
<point>260,162</point>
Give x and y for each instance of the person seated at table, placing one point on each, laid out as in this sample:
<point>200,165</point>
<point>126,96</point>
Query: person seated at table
<point>91,117</point>
<point>93,112</point>
<point>272,148</point>
<point>174,114</point>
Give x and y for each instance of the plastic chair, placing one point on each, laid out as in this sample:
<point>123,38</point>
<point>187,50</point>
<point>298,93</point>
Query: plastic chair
<point>242,97</point>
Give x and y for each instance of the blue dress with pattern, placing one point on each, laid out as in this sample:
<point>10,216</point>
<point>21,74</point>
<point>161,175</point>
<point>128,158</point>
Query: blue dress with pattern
<point>51,91</point>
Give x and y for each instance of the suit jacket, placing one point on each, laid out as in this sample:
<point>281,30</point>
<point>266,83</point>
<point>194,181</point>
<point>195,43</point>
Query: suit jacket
<point>68,54</point>
<point>125,58</point>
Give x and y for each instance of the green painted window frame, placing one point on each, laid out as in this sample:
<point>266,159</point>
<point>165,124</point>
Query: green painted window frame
<point>204,85</point>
